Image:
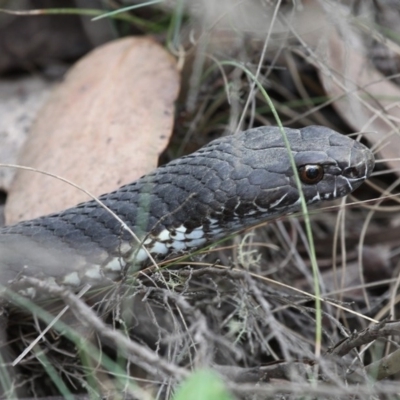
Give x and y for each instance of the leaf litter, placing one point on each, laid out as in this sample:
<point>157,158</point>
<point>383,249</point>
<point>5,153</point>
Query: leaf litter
<point>235,319</point>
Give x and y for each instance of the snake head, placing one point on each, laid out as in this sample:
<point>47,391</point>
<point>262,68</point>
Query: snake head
<point>328,164</point>
<point>344,163</point>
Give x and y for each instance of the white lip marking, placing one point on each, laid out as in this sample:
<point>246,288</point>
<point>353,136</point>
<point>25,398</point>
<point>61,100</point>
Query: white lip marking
<point>28,292</point>
<point>297,202</point>
<point>94,272</point>
<point>159,248</point>
<point>164,235</point>
<point>195,234</point>
<point>178,245</point>
<point>196,242</point>
<point>124,247</point>
<point>179,236</point>
<point>181,229</point>
<point>139,256</point>
<point>116,264</point>
<point>71,279</point>
<point>348,182</point>
<point>277,202</point>
<point>317,197</point>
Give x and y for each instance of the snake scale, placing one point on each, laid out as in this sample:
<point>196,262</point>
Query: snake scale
<point>232,183</point>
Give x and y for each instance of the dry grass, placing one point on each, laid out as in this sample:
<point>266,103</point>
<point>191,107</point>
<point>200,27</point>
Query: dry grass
<point>245,309</point>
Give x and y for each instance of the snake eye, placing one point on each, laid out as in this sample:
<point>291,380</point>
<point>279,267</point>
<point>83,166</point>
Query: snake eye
<point>311,173</point>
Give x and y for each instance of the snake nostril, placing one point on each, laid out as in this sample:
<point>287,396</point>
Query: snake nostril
<point>351,172</point>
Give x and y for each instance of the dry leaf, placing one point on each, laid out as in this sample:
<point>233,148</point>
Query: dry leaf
<point>105,126</point>
<point>365,98</point>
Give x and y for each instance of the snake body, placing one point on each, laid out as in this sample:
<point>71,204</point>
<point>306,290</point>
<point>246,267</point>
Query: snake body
<point>230,184</point>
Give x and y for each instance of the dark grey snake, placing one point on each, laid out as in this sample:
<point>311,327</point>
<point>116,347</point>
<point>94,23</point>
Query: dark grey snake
<point>232,183</point>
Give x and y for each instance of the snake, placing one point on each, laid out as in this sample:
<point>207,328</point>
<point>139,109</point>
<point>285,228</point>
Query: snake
<point>232,183</point>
